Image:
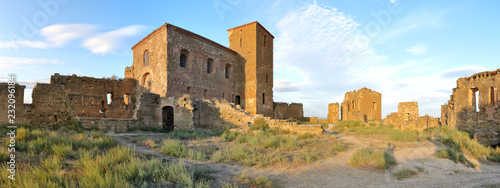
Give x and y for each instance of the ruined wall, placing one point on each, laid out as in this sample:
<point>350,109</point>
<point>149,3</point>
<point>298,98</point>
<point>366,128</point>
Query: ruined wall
<point>333,112</point>
<point>50,105</point>
<point>255,45</point>
<point>364,102</point>
<point>89,96</point>
<point>19,108</point>
<point>407,118</point>
<point>461,111</point>
<point>288,111</point>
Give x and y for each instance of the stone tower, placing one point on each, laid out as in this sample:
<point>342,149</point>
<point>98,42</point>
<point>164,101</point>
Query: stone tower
<point>255,45</point>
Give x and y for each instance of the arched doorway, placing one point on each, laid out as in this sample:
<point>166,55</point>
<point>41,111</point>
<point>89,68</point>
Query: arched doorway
<point>168,118</point>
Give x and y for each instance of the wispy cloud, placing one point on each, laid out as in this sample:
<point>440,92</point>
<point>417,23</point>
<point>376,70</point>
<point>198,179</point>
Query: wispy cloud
<point>25,60</point>
<point>462,72</point>
<point>284,86</point>
<point>324,55</point>
<point>111,41</point>
<point>412,22</point>
<point>24,44</point>
<point>418,49</point>
<point>61,34</point>
<point>325,48</point>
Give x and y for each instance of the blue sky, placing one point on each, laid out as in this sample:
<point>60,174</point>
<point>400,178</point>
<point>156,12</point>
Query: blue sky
<point>407,50</point>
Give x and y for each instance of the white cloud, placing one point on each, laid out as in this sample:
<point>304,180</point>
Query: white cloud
<point>25,60</point>
<point>411,22</point>
<point>393,1</point>
<point>323,53</point>
<point>111,41</point>
<point>61,34</point>
<point>284,86</point>
<point>24,44</point>
<point>326,50</point>
<point>418,49</point>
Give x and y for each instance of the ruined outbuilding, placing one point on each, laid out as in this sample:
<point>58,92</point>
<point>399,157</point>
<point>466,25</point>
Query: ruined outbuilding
<point>473,107</point>
<point>407,118</point>
<point>362,105</point>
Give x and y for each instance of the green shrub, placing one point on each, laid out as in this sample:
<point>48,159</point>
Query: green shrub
<point>257,181</point>
<point>339,146</point>
<point>404,173</point>
<point>228,135</point>
<point>62,150</point>
<point>369,157</point>
<point>259,124</point>
<point>177,149</point>
<point>306,136</point>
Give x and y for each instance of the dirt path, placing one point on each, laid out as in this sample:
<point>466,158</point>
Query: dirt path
<point>336,172</point>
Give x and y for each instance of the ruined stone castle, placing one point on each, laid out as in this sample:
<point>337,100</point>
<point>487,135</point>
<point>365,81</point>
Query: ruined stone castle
<point>178,80</point>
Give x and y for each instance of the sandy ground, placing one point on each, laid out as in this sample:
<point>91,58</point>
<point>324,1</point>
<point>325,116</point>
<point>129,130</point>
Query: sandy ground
<point>336,172</point>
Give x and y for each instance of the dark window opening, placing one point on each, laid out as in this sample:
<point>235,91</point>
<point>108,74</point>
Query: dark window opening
<point>265,39</point>
<point>205,95</point>
<point>263,98</point>
<point>237,100</point>
<point>228,71</point>
<point>210,68</point>
<point>146,58</point>
<point>184,58</point>
<point>189,90</point>
<point>223,96</point>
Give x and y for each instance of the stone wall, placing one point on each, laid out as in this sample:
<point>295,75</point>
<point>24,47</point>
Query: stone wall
<point>462,112</point>
<point>333,112</point>
<point>89,96</point>
<point>363,102</point>
<point>407,118</point>
<point>288,111</point>
<point>108,124</point>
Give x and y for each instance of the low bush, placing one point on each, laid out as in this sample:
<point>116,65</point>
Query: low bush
<point>177,149</point>
<point>372,158</point>
<point>404,173</point>
<point>339,146</point>
<point>259,124</point>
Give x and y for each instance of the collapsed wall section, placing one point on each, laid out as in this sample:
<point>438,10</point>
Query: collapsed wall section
<point>362,105</point>
<point>288,111</point>
<point>473,107</point>
<point>407,118</point>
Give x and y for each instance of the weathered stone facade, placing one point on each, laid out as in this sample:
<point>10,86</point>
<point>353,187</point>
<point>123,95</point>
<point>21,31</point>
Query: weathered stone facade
<point>288,111</point>
<point>333,112</point>
<point>473,106</point>
<point>407,118</point>
<point>362,105</point>
<point>172,61</point>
